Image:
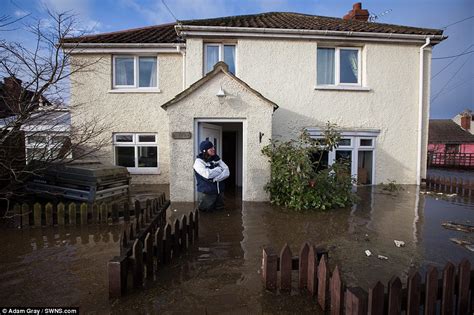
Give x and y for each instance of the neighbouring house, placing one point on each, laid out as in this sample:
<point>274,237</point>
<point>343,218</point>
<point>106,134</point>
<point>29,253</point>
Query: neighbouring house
<point>451,142</point>
<point>240,81</point>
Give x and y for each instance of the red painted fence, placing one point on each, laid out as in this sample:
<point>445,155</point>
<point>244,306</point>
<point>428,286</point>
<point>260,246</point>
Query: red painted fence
<point>451,160</point>
<point>452,293</point>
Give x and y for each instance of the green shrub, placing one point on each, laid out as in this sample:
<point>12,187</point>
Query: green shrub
<point>296,182</point>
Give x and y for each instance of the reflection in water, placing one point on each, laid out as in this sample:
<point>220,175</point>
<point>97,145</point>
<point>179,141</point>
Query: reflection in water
<point>222,272</point>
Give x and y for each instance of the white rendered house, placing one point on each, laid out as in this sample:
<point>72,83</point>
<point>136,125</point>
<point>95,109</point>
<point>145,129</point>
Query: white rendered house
<point>241,81</point>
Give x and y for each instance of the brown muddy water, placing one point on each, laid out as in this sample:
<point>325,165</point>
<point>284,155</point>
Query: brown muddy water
<point>221,274</point>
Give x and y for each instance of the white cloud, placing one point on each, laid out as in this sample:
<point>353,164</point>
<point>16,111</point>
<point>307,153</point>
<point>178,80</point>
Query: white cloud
<point>20,13</point>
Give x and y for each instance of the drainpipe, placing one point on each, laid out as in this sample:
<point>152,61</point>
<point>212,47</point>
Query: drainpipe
<point>420,110</point>
<point>183,53</point>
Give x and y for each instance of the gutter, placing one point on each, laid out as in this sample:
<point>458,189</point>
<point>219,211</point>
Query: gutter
<point>420,109</point>
<point>84,48</point>
<point>194,30</point>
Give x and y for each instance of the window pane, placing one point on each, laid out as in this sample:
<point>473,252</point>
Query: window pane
<point>58,139</point>
<point>344,156</point>
<point>125,156</point>
<point>146,138</point>
<point>147,72</point>
<point>229,57</point>
<point>365,142</point>
<point>36,139</point>
<point>124,71</point>
<point>147,157</point>
<point>364,169</point>
<point>349,66</point>
<point>344,142</point>
<point>325,66</point>
<point>212,57</point>
<point>124,138</point>
<point>320,160</point>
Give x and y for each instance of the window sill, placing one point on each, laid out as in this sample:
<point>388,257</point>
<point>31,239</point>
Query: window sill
<point>135,90</point>
<point>138,171</point>
<point>342,88</point>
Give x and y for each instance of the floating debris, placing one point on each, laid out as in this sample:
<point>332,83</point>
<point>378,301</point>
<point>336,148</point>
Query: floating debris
<point>382,257</point>
<point>464,243</point>
<point>399,243</point>
<point>368,253</point>
<point>466,228</point>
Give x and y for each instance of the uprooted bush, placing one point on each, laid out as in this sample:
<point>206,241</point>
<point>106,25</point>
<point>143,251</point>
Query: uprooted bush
<point>299,178</point>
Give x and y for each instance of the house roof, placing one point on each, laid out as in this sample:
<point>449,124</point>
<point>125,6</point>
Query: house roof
<point>218,67</point>
<point>166,33</point>
<point>447,131</point>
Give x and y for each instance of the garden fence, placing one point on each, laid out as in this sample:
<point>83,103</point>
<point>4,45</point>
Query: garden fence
<point>460,186</point>
<point>450,294</point>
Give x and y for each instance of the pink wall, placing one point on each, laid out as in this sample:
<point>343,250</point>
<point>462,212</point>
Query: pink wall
<point>441,147</point>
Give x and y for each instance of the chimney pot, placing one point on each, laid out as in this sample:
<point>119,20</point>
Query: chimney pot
<point>357,13</point>
<point>357,6</point>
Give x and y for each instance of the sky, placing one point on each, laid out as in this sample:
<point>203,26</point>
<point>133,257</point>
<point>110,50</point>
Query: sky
<point>452,86</point>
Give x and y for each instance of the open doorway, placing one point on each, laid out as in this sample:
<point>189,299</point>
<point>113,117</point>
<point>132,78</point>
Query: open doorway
<point>227,137</point>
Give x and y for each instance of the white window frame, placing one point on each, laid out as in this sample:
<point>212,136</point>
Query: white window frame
<point>49,145</point>
<point>337,66</point>
<point>136,72</point>
<point>135,144</point>
<point>221,54</point>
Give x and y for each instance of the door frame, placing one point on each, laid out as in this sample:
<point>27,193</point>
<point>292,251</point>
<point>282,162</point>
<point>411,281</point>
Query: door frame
<point>197,121</point>
<point>211,126</point>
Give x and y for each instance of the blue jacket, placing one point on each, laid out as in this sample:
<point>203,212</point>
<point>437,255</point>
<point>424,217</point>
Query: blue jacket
<point>210,174</point>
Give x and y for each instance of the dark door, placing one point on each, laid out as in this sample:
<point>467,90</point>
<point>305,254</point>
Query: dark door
<point>229,153</point>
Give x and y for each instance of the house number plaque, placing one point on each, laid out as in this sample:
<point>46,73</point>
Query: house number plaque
<point>181,135</point>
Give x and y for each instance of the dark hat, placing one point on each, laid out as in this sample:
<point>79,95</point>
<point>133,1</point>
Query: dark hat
<point>205,145</point>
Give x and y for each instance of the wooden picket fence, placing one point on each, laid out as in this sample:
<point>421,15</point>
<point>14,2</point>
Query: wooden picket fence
<point>145,249</point>
<point>453,293</point>
<point>453,185</point>
<point>37,215</point>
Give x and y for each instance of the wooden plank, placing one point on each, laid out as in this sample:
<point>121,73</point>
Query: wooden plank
<point>17,215</point>
<point>115,213</point>
<point>137,208</point>
<point>61,213</point>
<point>124,239</point>
<point>175,237</point>
<point>312,271</point>
<point>376,299</point>
<point>159,246</point>
<point>464,274</point>
<point>84,208</point>
<point>356,301</point>
<point>285,268</point>
<point>454,186</point>
<point>323,280</point>
<point>191,228</point>
<point>394,296</point>
<point>48,214</point>
<point>137,256</point>
<point>103,213</point>
<point>167,243</point>
<point>148,210</point>
<point>196,224</point>
<point>72,213</point>
<point>269,268</point>
<point>117,273</point>
<point>25,215</point>
<point>447,299</point>
<point>414,294</point>
<point>303,267</point>
<point>95,213</point>
<point>37,214</point>
<point>149,256</point>
<point>431,290</point>
<point>337,288</point>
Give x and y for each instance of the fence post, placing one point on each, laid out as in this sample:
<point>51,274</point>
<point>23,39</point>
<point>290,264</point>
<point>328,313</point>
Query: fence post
<point>183,232</point>
<point>196,224</point>
<point>126,211</point>
<point>95,213</point>
<point>191,227</point>
<point>376,299</point>
<point>61,214</point>
<point>84,208</point>
<point>137,256</point>
<point>137,208</point>
<point>356,301</point>
<point>322,282</point>
<point>149,255</point>
<point>303,266</point>
<point>103,213</point>
<point>175,238</point>
<point>37,214</point>
<point>72,213</point>
<point>285,268</point>
<point>464,272</point>
<point>115,213</point>
<point>312,270</point>
<point>117,271</point>
<point>269,268</point>
<point>167,239</point>
<point>431,290</point>
<point>159,245</point>
<point>394,296</point>
<point>25,215</point>
<point>17,215</point>
<point>337,289</point>
<point>414,294</point>
<point>448,289</point>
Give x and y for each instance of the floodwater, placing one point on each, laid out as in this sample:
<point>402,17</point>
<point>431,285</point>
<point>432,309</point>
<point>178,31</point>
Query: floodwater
<point>464,174</point>
<point>221,273</point>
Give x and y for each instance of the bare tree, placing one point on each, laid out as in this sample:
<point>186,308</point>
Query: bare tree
<point>33,104</point>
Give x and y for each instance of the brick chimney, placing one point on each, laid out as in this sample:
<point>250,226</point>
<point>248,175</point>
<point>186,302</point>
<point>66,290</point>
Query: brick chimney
<point>357,13</point>
<point>11,95</point>
<point>466,118</point>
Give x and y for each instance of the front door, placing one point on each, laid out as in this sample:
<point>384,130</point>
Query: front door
<point>211,133</point>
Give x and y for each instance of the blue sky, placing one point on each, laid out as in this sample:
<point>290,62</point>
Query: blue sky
<point>451,91</point>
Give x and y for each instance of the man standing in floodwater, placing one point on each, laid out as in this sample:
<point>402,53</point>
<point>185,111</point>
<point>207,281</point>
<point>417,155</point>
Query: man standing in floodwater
<point>210,173</point>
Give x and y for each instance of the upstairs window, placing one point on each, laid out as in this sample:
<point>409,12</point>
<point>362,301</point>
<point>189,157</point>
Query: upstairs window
<point>135,72</point>
<point>213,53</point>
<point>338,66</point>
